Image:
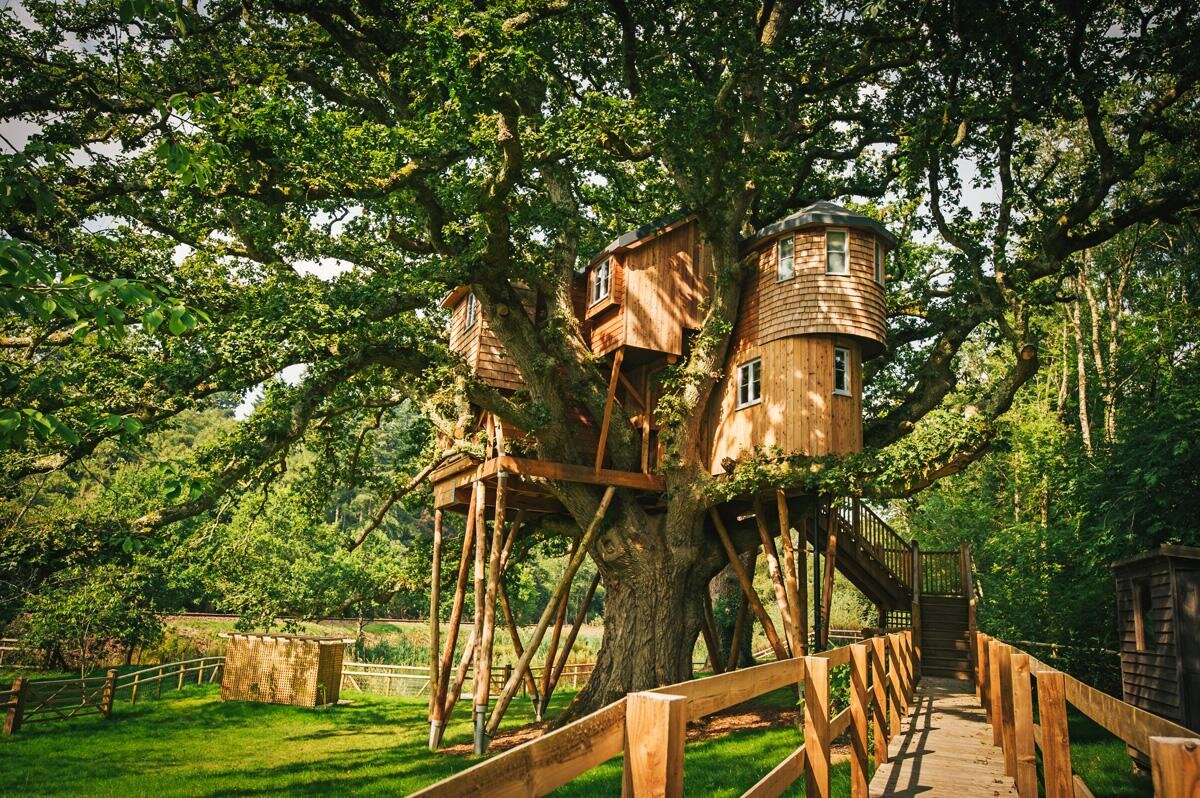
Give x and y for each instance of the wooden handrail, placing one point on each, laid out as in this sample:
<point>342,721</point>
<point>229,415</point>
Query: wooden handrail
<point>1006,675</point>
<point>650,728</point>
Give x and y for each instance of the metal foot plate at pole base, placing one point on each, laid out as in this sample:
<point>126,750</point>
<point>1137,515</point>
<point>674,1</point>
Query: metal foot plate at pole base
<point>481,738</point>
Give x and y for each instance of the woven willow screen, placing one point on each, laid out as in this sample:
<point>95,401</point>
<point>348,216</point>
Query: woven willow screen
<point>300,670</point>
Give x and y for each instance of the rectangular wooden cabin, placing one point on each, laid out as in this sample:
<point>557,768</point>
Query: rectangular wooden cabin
<point>1158,620</point>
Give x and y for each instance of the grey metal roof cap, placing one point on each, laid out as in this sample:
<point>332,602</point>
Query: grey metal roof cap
<point>827,213</point>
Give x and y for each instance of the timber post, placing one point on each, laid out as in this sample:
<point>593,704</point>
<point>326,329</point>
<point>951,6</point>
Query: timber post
<point>435,626</point>
<point>879,708</point>
<point>1056,739</point>
<point>1024,751</point>
<point>918,578</point>
<point>16,706</point>
<point>993,660</point>
<point>108,693</point>
<point>655,732</point>
<point>133,691</point>
<point>860,699</point>
<point>1175,766</point>
<point>1008,730</point>
<point>816,727</point>
<point>747,586</point>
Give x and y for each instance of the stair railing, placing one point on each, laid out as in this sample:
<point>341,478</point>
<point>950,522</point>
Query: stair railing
<point>878,538</point>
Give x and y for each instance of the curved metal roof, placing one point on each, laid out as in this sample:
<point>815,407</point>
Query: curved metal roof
<point>823,213</point>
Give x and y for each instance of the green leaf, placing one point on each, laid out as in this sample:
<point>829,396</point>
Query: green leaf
<point>152,320</point>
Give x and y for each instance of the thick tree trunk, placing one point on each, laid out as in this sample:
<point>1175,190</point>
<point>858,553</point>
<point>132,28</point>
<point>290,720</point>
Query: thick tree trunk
<point>655,572</point>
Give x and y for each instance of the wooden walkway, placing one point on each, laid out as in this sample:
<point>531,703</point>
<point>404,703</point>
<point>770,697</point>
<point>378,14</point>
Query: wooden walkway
<point>944,748</point>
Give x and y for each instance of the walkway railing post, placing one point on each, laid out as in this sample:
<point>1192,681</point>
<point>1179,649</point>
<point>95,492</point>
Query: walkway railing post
<point>1008,737</point>
<point>879,707</point>
<point>860,700</point>
<point>1056,740</point>
<point>816,727</point>
<point>994,718</point>
<point>1027,782</point>
<point>1175,766</point>
<point>655,731</point>
<point>893,687</point>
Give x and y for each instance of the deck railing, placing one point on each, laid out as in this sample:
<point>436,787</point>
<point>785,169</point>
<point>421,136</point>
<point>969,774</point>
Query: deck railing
<point>1010,682</point>
<point>941,573</point>
<point>413,680</point>
<point>883,542</point>
<point>649,728</point>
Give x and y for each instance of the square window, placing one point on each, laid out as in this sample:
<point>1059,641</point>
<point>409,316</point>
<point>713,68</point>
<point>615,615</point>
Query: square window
<point>601,280</point>
<point>878,262</point>
<point>749,388</point>
<point>841,371</point>
<point>837,257</point>
<point>472,310</point>
<point>785,252</point>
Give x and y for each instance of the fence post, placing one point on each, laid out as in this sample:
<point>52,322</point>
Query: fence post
<point>1008,737</point>
<point>977,641</point>
<point>200,673</point>
<point>108,693</point>
<point>1175,765</point>
<point>16,707</point>
<point>1027,781</point>
<point>893,687</point>
<point>993,658</point>
<point>1056,740</point>
<point>655,731</point>
<point>134,690</point>
<point>180,685</point>
<point>158,683</point>
<point>816,727</point>
<point>860,699</point>
<point>879,687</point>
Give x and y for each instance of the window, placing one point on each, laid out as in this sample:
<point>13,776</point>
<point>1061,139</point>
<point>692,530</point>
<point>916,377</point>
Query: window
<point>601,280</point>
<point>878,262</point>
<point>837,260</point>
<point>749,383</point>
<point>784,251</point>
<point>1141,613</point>
<point>841,371</point>
<point>472,310</point>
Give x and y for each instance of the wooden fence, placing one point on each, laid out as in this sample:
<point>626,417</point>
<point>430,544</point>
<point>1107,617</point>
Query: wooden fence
<point>1011,682</point>
<point>29,701</point>
<point>413,680</point>
<point>650,728</point>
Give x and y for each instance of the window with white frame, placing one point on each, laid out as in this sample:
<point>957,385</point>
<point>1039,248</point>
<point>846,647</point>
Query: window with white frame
<point>841,371</point>
<point>785,252</point>
<point>879,261</point>
<point>601,280</point>
<point>837,252</point>
<point>472,310</point>
<point>749,383</point>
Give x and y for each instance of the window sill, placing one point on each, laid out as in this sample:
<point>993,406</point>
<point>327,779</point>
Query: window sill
<point>843,393</point>
<point>749,404</point>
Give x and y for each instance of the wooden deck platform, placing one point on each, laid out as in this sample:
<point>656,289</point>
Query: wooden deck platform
<point>944,748</point>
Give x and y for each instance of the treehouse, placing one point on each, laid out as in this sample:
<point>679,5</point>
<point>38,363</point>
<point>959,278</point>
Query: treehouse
<point>812,310</point>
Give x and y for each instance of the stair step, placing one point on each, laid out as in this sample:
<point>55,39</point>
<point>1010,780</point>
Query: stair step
<point>963,674</point>
<point>938,646</point>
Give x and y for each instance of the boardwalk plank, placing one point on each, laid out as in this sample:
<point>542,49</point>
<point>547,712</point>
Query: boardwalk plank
<point>944,748</point>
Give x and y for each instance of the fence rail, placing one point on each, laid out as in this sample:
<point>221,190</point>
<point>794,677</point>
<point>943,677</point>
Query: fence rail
<point>650,728</point>
<point>29,701</point>
<point>413,680</point>
<point>1010,681</point>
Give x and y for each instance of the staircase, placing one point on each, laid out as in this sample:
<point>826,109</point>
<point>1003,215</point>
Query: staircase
<point>882,565</point>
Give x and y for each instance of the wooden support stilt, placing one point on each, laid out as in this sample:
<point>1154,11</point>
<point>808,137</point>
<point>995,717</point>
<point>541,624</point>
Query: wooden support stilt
<point>483,669</point>
<point>801,553</point>
<point>437,725</point>
<point>816,575</point>
<point>560,618</point>
<point>776,574</point>
<point>580,617</point>
<point>540,630</point>
<point>708,627</point>
<point>830,565</point>
<point>435,588</point>
<point>460,678</point>
<point>748,586</point>
<point>515,634</point>
<point>608,404</point>
<point>478,685</point>
<point>740,622</point>
<point>510,540</point>
<point>800,649</point>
